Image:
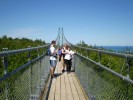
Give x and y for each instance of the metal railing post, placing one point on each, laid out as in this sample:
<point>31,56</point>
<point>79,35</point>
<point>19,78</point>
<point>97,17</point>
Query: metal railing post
<point>128,76</point>
<point>43,50</point>
<point>5,63</point>
<point>39,69</point>
<point>127,64</point>
<point>29,55</point>
<point>99,57</point>
<point>30,73</point>
<point>86,53</point>
<point>81,51</point>
<point>38,51</point>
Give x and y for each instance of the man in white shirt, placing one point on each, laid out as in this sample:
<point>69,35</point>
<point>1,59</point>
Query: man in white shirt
<point>53,58</point>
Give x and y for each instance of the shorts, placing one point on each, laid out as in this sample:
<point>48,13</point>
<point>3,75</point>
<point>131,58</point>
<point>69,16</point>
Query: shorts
<point>53,63</point>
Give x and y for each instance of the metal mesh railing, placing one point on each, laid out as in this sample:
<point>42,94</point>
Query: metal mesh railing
<point>100,84</point>
<point>39,75</point>
<point>118,62</point>
<point>27,81</point>
<point>104,75</point>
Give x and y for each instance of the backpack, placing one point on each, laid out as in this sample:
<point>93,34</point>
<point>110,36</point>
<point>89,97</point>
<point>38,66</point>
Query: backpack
<point>48,51</point>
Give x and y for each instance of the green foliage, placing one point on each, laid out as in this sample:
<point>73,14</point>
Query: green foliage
<point>12,44</point>
<point>117,64</point>
<point>82,43</point>
<point>18,59</point>
<point>115,84</point>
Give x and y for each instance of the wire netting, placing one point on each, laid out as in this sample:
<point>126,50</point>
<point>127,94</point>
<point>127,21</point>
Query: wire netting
<point>26,84</point>
<point>100,84</point>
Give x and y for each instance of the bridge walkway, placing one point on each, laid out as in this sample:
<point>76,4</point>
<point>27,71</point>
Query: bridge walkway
<point>66,86</point>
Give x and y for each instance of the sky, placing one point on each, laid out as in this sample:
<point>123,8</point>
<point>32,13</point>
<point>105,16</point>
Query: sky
<point>96,22</point>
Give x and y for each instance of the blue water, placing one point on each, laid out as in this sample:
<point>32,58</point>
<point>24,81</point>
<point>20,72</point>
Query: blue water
<point>118,48</point>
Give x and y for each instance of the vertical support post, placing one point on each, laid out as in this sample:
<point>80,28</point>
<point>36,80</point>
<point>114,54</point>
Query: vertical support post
<point>30,73</point>
<point>29,53</point>
<point>5,63</point>
<point>59,38</point>
<point>38,51</point>
<point>128,72</point>
<point>74,64</point>
<point>39,69</point>
<point>81,51</point>
<point>86,53</point>
<point>99,57</point>
<point>128,67</point>
<point>43,50</point>
<point>40,73</point>
<point>62,37</point>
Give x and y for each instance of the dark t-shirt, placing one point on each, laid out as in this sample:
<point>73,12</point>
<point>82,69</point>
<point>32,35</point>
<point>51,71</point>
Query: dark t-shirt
<point>63,54</point>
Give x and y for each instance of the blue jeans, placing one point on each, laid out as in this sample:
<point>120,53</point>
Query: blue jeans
<point>53,63</point>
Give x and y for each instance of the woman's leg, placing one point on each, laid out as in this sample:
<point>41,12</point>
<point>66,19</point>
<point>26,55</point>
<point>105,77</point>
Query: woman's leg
<point>59,58</point>
<point>69,65</point>
<point>63,63</point>
<point>70,62</point>
<point>52,69</point>
<point>66,63</point>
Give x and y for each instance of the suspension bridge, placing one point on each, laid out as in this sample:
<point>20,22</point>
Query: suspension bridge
<point>96,75</point>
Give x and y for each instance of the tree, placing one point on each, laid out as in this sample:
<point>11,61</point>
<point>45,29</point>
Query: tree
<point>82,43</point>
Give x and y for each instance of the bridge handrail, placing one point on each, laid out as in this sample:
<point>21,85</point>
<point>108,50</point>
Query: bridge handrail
<point>21,67</point>
<point>27,78</point>
<point>107,52</point>
<point>5,53</point>
<point>108,69</point>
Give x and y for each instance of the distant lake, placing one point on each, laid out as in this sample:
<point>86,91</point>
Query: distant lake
<point>118,48</point>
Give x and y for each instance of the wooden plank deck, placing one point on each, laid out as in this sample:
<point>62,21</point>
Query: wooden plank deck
<point>66,86</point>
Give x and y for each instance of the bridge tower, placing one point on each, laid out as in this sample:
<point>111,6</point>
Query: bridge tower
<point>60,37</point>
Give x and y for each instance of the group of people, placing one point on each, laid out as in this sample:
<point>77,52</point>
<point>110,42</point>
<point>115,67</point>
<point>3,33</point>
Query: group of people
<point>64,53</point>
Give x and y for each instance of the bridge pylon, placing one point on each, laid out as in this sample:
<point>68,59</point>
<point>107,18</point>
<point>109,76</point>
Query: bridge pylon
<point>60,38</point>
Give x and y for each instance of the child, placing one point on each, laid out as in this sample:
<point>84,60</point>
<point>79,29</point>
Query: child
<point>59,54</point>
